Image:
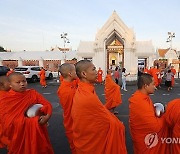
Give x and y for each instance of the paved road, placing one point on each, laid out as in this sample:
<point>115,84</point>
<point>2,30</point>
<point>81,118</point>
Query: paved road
<point>56,129</point>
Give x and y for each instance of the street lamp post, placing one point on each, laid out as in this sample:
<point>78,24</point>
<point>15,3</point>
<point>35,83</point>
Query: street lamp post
<point>65,39</point>
<point>171,35</point>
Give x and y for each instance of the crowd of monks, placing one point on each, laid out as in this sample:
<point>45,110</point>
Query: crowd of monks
<point>90,126</point>
<point>158,74</point>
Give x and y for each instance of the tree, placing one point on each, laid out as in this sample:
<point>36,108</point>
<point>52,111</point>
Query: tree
<point>2,49</point>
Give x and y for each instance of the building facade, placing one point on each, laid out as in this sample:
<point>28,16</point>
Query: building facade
<point>50,60</point>
<point>115,45</point>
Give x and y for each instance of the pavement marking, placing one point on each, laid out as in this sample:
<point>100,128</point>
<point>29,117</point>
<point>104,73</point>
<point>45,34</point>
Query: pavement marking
<point>46,93</point>
<point>57,104</point>
<point>104,94</point>
<point>165,94</point>
<point>178,94</point>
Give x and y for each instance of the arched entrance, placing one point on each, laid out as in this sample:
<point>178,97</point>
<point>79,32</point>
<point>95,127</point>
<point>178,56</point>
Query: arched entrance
<point>115,51</point>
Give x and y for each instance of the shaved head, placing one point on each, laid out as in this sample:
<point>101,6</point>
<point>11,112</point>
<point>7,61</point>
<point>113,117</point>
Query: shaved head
<point>82,65</point>
<point>3,79</point>
<point>65,69</point>
<point>14,74</point>
<point>4,83</point>
<point>18,82</point>
<point>144,79</point>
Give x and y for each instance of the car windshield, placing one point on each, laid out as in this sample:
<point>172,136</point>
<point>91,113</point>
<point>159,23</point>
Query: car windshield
<point>20,69</point>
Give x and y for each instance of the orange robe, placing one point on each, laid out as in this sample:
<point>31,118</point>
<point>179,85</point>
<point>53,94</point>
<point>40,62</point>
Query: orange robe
<point>9,72</point>
<point>3,139</point>
<point>146,71</point>
<point>173,80</point>
<point>112,93</point>
<point>154,73</point>
<point>61,78</point>
<point>66,93</point>
<point>144,123</point>
<point>99,77</point>
<point>42,74</point>
<point>95,129</point>
<point>173,120</point>
<point>25,134</point>
<point>75,82</point>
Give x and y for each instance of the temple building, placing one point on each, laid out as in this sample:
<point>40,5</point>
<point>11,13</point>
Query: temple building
<point>115,44</point>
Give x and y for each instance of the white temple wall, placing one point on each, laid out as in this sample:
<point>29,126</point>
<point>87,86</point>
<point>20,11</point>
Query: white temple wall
<point>131,64</point>
<point>99,59</point>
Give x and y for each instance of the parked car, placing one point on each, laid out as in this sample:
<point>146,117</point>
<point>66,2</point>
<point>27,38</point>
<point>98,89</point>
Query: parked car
<point>32,72</point>
<point>3,70</point>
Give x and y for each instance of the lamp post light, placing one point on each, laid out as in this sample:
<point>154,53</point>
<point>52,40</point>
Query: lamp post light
<point>171,35</point>
<point>65,39</point>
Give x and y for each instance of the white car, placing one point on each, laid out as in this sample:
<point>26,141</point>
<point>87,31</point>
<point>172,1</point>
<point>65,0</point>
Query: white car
<point>32,72</point>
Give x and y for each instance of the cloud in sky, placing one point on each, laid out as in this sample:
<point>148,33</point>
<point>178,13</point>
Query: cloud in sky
<point>37,25</point>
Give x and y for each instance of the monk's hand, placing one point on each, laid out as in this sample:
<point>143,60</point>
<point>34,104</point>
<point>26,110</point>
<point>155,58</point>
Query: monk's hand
<point>44,119</point>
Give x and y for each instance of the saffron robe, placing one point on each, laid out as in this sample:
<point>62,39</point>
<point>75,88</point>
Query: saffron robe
<point>61,78</point>
<point>66,93</point>
<point>154,73</point>
<point>99,77</point>
<point>144,125</point>
<point>9,72</point>
<point>95,129</point>
<point>173,80</point>
<point>146,71</point>
<point>3,139</point>
<point>42,74</point>
<point>112,93</point>
<point>172,116</point>
<point>25,134</point>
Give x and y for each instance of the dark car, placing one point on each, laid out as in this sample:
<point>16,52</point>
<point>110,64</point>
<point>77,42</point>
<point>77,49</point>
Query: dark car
<point>3,70</point>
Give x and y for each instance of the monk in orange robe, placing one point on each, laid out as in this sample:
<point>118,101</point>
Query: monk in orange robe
<point>100,73</point>
<point>95,129</point>
<point>4,88</point>
<point>154,73</point>
<point>42,75</point>
<point>174,73</point>
<point>146,70</point>
<point>172,116</point>
<point>9,72</point>
<point>66,93</point>
<point>26,135</point>
<point>61,78</point>
<point>146,129</point>
<point>150,70</point>
<point>112,93</point>
<point>160,75</point>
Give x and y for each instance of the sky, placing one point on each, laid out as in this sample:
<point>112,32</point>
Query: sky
<point>36,25</point>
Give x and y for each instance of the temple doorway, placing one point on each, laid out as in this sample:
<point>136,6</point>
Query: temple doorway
<point>115,52</point>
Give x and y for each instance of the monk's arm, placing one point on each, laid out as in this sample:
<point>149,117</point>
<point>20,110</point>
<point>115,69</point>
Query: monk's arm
<point>47,107</point>
<point>145,115</point>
